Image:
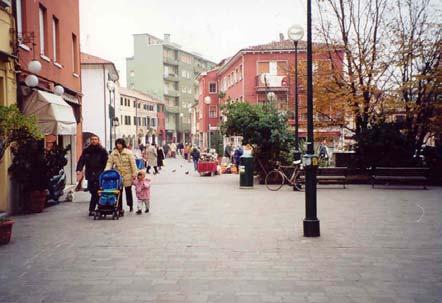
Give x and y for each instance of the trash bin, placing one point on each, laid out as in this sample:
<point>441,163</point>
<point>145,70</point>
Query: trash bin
<point>246,171</point>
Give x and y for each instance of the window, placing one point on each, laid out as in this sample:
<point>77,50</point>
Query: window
<point>56,39</point>
<point>263,67</point>
<point>213,111</point>
<point>139,105</point>
<point>42,24</point>
<point>135,103</point>
<point>121,101</point>
<point>153,122</point>
<point>135,120</point>
<point>127,120</point>
<point>240,72</point>
<point>212,88</point>
<point>277,68</point>
<point>75,53</point>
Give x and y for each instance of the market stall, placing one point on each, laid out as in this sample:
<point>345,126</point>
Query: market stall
<point>208,164</point>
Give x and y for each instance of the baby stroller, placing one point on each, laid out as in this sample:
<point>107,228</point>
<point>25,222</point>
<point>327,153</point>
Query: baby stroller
<point>110,184</point>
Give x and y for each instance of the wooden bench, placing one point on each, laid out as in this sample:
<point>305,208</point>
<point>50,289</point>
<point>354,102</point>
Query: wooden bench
<point>330,175</point>
<point>399,175</point>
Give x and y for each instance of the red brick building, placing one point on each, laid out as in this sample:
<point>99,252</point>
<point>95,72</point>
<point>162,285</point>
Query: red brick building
<point>251,74</point>
<point>49,32</point>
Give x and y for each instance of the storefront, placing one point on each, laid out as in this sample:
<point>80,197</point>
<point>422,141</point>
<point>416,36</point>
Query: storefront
<point>57,121</point>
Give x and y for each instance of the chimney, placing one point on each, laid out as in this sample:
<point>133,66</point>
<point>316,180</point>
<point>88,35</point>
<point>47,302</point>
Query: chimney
<point>166,37</point>
<point>281,37</point>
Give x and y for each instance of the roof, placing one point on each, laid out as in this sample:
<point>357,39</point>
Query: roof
<point>277,45</point>
<point>282,45</point>
<point>91,59</point>
<point>139,95</point>
<point>88,59</point>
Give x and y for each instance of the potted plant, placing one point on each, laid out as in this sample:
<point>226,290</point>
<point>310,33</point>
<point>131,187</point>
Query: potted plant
<point>5,230</point>
<point>15,128</point>
<point>32,168</point>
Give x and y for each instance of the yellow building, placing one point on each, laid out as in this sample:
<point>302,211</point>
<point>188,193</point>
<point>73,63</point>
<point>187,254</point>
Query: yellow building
<point>8,91</point>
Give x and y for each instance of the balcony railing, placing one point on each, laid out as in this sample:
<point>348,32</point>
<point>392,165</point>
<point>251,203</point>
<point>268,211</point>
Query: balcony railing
<point>171,77</point>
<point>268,82</point>
<point>171,61</point>
<point>172,109</point>
<point>171,93</point>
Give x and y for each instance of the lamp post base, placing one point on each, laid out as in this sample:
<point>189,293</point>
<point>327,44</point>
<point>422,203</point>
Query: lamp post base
<point>311,228</point>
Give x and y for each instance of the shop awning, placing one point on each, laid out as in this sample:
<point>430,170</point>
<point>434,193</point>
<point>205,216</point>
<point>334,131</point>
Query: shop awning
<point>54,115</point>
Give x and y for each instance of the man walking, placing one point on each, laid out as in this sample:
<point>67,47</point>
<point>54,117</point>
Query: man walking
<point>94,158</point>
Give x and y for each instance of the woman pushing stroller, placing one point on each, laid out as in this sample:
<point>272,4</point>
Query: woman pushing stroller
<point>123,160</point>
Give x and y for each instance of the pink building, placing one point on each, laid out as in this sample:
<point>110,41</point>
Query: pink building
<point>250,75</point>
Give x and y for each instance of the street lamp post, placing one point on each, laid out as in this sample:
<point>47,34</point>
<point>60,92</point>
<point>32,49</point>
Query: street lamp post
<point>295,33</point>
<point>208,100</point>
<point>311,221</point>
<point>111,87</point>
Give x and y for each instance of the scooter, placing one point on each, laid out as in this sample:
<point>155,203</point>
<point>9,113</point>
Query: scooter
<point>56,187</point>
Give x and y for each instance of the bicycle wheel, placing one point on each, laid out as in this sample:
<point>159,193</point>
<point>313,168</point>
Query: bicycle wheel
<point>274,180</point>
<point>298,184</point>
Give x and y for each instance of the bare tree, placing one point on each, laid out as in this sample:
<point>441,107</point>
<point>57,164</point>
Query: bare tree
<point>416,67</point>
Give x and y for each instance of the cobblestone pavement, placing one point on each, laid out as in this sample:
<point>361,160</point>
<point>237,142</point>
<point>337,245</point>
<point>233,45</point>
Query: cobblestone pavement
<point>206,240</point>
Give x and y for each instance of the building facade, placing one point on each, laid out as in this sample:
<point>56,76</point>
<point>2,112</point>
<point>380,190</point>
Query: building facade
<point>138,118</point>
<point>162,68</point>
<point>48,33</point>
<point>8,89</point>
<point>254,72</point>
<point>100,97</point>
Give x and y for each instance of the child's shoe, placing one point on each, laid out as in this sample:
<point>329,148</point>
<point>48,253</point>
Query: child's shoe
<point>138,212</point>
<point>147,210</point>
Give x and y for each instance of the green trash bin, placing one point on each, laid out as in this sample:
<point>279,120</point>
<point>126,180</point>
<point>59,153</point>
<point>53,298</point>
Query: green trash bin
<point>246,171</point>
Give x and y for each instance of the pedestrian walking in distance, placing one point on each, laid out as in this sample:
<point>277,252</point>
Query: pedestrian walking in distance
<point>151,156</point>
<point>94,158</point>
<point>142,188</point>
<point>123,160</point>
<point>160,157</point>
<point>195,154</point>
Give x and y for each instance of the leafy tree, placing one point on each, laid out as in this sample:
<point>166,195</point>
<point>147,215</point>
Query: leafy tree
<point>15,128</point>
<point>262,127</point>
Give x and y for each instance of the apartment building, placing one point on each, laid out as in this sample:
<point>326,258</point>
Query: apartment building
<point>162,68</point>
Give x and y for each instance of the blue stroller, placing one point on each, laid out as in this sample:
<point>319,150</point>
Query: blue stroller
<point>110,184</point>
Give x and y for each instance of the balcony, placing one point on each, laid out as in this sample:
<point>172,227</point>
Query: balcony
<point>171,92</point>
<point>267,82</point>
<point>171,61</point>
<point>171,77</point>
<point>172,109</point>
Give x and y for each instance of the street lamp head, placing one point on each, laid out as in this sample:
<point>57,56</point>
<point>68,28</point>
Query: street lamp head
<point>59,90</point>
<point>207,100</point>
<point>295,32</point>
<point>271,96</point>
<point>110,85</point>
<point>34,66</point>
<point>31,80</point>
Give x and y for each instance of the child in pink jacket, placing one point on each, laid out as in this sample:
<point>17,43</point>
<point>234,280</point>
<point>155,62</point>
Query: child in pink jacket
<point>142,188</point>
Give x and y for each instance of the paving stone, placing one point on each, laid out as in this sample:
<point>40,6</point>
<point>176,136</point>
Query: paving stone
<point>206,240</point>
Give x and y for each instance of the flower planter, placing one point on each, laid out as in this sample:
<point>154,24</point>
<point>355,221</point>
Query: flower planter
<point>37,201</point>
<point>5,231</point>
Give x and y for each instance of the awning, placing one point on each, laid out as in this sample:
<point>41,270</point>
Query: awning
<point>54,115</point>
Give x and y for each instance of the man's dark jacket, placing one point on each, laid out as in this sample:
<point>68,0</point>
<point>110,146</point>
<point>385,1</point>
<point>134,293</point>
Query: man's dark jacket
<point>94,158</point>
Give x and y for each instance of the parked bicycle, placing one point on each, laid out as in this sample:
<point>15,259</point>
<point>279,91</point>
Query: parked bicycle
<point>277,177</point>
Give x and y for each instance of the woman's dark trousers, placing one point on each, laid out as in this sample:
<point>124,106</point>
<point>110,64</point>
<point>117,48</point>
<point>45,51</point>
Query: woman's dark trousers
<point>129,199</point>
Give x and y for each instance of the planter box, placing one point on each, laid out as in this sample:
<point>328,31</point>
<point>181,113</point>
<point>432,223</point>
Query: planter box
<point>6,231</point>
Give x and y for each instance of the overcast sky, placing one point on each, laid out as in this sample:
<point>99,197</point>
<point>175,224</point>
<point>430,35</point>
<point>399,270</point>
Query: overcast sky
<point>215,29</point>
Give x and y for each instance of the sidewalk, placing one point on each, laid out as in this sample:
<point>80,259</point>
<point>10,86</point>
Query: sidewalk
<point>206,240</point>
